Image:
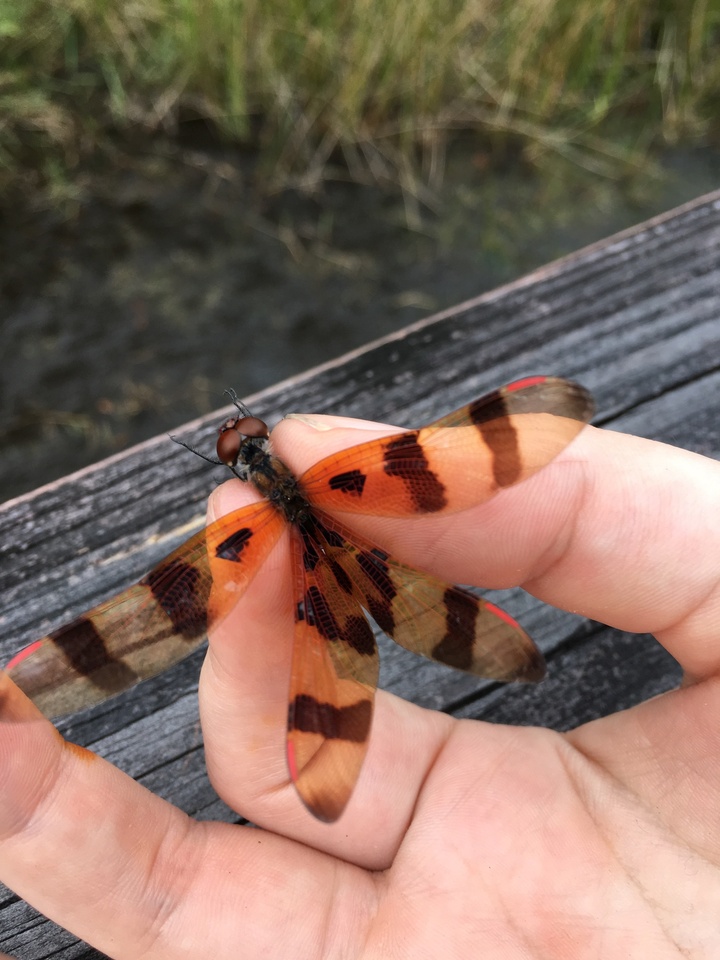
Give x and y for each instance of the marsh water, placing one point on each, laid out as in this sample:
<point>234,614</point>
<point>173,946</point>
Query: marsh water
<point>170,278</point>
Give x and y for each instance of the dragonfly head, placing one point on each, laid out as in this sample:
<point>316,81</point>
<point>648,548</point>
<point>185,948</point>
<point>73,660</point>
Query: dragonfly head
<point>235,434</point>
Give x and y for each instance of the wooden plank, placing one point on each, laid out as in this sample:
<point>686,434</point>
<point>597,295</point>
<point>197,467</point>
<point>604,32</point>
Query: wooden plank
<point>634,318</point>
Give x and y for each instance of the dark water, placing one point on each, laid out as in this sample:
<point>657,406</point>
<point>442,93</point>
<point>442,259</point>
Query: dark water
<point>172,280</point>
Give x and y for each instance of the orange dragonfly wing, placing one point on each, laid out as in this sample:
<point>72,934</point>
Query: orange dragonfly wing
<point>335,660</point>
<point>436,619</point>
<point>458,461</point>
<point>334,675</point>
<point>155,623</point>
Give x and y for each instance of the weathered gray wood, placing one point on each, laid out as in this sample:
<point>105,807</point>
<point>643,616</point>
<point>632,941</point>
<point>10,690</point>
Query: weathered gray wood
<point>635,318</point>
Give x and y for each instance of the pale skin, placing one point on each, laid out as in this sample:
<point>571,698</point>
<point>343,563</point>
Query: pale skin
<point>462,839</point>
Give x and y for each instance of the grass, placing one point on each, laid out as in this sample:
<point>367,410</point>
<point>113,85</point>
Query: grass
<point>378,84</point>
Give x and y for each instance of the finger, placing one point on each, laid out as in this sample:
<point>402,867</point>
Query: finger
<point>135,877</point>
<point>243,696</point>
<point>618,528</point>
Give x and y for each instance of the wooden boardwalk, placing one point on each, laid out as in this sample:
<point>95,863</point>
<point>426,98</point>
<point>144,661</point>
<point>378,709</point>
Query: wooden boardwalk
<point>635,318</point>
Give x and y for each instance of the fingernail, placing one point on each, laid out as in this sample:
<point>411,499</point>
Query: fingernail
<point>316,424</point>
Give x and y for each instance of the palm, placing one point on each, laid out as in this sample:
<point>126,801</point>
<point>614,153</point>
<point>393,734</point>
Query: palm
<point>462,839</point>
<point>555,846</point>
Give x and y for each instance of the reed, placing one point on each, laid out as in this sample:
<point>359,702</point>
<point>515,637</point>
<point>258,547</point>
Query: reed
<point>379,84</point>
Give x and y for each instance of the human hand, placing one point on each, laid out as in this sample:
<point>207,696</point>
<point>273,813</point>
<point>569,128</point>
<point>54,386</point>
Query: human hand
<point>462,838</point>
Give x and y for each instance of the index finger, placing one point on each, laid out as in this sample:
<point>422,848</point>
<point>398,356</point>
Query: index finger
<point>617,528</point>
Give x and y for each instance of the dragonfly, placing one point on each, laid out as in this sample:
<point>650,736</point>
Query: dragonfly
<point>338,577</point>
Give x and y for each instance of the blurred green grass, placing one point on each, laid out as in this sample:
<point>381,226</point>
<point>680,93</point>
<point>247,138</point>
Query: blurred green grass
<point>377,85</point>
